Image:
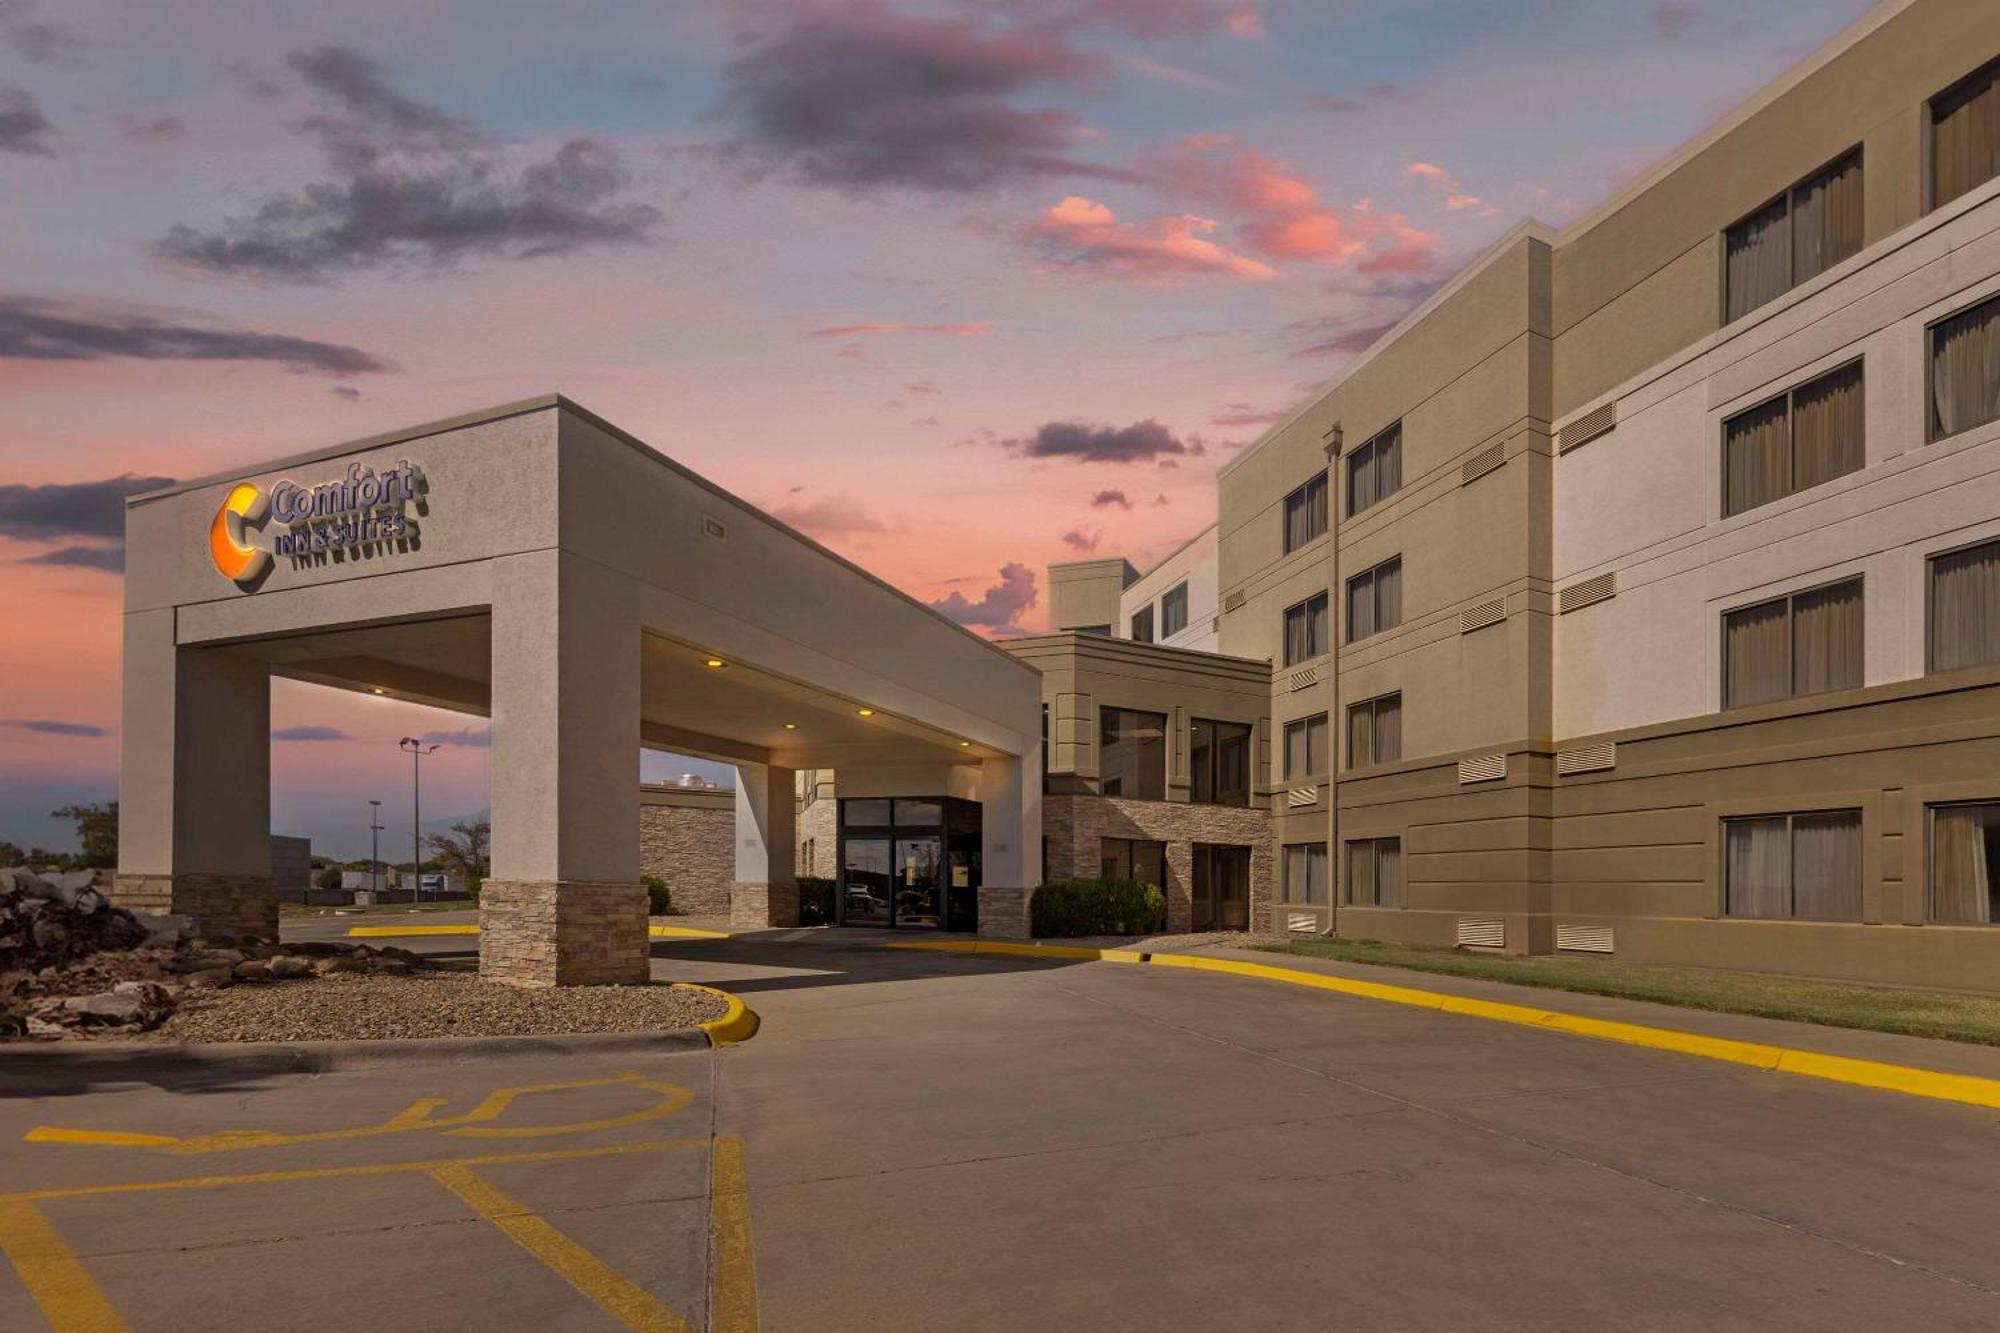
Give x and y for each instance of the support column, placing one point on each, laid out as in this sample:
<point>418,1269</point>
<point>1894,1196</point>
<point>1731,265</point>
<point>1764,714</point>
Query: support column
<point>194,827</point>
<point>1010,812</point>
<point>766,891</point>
<point>564,906</point>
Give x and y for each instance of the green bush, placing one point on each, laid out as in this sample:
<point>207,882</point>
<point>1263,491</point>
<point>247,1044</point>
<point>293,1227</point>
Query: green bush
<point>658,901</point>
<point>1097,907</point>
<point>815,900</point>
<point>329,878</point>
<point>472,891</point>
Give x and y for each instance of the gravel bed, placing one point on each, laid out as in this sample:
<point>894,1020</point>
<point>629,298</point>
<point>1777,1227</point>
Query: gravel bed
<point>357,1006</point>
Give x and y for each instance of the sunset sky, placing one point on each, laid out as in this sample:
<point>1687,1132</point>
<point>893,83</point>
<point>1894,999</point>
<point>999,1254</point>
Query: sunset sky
<point>959,287</point>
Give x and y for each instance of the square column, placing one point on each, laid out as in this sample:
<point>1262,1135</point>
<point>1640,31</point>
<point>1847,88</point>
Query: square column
<point>1010,814</point>
<point>194,813</point>
<point>564,906</point>
<point>766,892</point>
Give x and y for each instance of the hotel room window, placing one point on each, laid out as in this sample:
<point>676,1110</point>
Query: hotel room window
<point>1965,370</point>
<point>1806,643</point>
<point>1794,238</point>
<point>1804,867</point>
<point>1965,608</point>
<point>1800,439</point>
<point>1305,747</point>
<point>1305,872</point>
<point>1173,611</point>
<point>1132,753</point>
<point>1965,135</point>
<point>1375,872</point>
<point>1134,859</point>
<point>1306,630</point>
<point>1965,864</point>
<point>1219,763</point>
<point>1375,470</point>
<point>1375,731</point>
<point>1142,625</point>
<point>1305,513</point>
<point>1375,599</point>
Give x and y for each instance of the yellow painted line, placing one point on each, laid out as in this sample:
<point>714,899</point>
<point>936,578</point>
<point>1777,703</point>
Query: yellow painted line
<point>628,1303</point>
<point>739,1024</point>
<point>1968,1089</point>
<point>391,932</point>
<point>735,1257</point>
<point>685,933</point>
<point>54,1277</point>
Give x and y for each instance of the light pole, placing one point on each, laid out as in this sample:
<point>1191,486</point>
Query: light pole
<point>417,750</point>
<point>375,850</point>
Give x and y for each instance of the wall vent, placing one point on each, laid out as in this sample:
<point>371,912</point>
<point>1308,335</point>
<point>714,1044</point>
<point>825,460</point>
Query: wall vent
<point>1486,460</point>
<point>1482,932</point>
<point>1587,427</point>
<point>1587,759</point>
<point>1589,592</point>
<point>1234,601</point>
<point>1479,617</point>
<point>1583,939</point>
<point>1305,678</point>
<point>1483,768</point>
<point>1302,922</point>
<point>712,527</point>
<point>1299,796</point>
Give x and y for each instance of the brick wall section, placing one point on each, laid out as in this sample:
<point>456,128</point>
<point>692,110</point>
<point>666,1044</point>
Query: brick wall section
<point>756,906</point>
<point>1003,913</point>
<point>816,826</point>
<point>538,933</point>
<point>694,851</point>
<point>1075,825</point>
<point>223,907</point>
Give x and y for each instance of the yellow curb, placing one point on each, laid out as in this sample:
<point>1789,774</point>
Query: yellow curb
<point>1968,1089</point>
<point>657,932</point>
<point>739,1024</point>
<point>685,933</point>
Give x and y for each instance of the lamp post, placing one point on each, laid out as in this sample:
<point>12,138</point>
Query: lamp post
<point>375,850</point>
<point>417,750</point>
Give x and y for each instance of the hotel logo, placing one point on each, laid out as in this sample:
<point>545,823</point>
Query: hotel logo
<point>357,514</point>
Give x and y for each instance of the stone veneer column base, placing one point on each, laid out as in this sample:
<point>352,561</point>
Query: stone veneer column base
<point>757,906</point>
<point>1003,913</point>
<point>223,907</point>
<point>563,933</point>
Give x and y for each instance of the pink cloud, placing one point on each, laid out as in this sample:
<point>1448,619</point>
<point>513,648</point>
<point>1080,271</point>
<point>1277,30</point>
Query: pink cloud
<point>851,330</point>
<point>1086,233</point>
<point>1430,171</point>
<point>1457,198</point>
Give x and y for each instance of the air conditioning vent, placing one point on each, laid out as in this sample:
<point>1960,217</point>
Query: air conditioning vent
<point>1305,678</point>
<point>1587,427</point>
<point>712,527</point>
<point>1483,768</point>
<point>1304,923</point>
<point>1482,932</point>
<point>1589,592</point>
<point>1573,938</point>
<point>1479,617</point>
<point>1587,759</point>
<point>1234,601</point>
<point>1483,462</point>
<point>1299,796</point>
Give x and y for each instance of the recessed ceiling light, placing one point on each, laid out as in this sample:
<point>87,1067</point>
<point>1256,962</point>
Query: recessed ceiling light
<point>867,712</point>
<point>791,726</point>
<point>715,661</point>
<point>380,690</point>
<point>965,745</point>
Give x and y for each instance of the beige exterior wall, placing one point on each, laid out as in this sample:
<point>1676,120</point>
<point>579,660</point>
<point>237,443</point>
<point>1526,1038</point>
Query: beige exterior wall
<point>1192,565</point>
<point>1085,593</point>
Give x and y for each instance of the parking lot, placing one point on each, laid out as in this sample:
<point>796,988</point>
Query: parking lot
<point>920,1140</point>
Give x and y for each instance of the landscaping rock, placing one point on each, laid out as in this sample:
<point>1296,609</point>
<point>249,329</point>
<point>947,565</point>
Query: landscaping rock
<point>252,969</point>
<point>288,968</point>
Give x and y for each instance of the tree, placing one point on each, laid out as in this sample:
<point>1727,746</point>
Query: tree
<point>328,877</point>
<point>11,856</point>
<point>462,852</point>
<point>96,832</point>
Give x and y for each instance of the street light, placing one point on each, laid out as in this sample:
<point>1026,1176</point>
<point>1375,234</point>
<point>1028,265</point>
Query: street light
<point>375,851</point>
<point>417,750</point>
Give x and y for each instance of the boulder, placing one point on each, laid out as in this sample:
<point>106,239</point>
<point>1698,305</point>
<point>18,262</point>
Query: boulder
<point>252,969</point>
<point>106,1007</point>
<point>287,968</point>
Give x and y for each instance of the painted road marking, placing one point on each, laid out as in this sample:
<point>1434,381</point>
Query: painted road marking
<point>56,1280</point>
<point>391,932</point>
<point>1969,1089</point>
<point>735,1258</point>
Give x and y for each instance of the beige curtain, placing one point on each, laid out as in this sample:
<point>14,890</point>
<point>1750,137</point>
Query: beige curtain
<point>1961,884</point>
<point>1827,639</point>
<point>1826,866</point>
<point>1826,218</point>
<point>1360,736</point>
<point>1827,428</point>
<point>1965,370</point>
<point>1965,608</point>
<point>1756,655</point>
<point>1360,606</point>
<point>1363,890</point>
<point>1756,866</point>
<point>1389,729</point>
<point>1360,479</point>
<point>1389,594</point>
<point>1295,750</point>
<point>1756,457</point>
<point>1389,872</point>
<point>1758,259</point>
<point>1389,462</point>
<point>1965,139</point>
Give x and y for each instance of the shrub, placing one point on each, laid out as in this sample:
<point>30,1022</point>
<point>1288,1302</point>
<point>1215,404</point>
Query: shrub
<point>815,900</point>
<point>1097,907</point>
<point>659,902</point>
<point>329,878</point>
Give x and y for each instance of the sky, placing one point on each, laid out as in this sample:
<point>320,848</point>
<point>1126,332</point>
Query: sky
<point>960,288</point>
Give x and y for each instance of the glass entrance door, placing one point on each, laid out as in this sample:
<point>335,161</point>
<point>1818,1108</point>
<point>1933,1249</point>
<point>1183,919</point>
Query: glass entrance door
<point>1221,887</point>
<point>866,881</point>
<point>919,881</point>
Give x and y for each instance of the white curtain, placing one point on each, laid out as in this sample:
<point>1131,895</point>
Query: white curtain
<point>1965,370</point>
<point>1360,735</point>
<point>1389,594</point>
<point>1389,729</point>
<point>1826,866</point>
<point>1965,608</point>
<point>1360,606</point>
<point>1389,872</point>
<point>1961,882</point>
<point>1757,865</point>
<point>1827,639</point>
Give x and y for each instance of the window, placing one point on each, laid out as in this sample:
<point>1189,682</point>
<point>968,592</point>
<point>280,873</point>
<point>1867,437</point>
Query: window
<point>1221,887</point>
<point>1375,872</point>
<point>1375,600</point>
<point>1305,746</point>
<point>1132,753</point>
<point>1965,370</point>
<point>1219,763</point>
<point>1306,630</point>
<point>1965,864</point>
<point>1797,236</point>
<point>1305,513</point>
<point>1965,136</point>
<point>1375,731</point>
<point>1801,644</point>
<point>1173,611</point>
<point>1375,470</point>
<point>1796,441</point>
<point>1802,867</point>
<point>1134,859</point>
<point>1142,625</point>
<point>1965,608</point>
<point>1305,872</point>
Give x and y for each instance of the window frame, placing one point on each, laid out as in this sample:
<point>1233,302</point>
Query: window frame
<point>1249,739</point>
<point>1322,642</point>
<point>1374,846</point>
<point>1932,433</point>
<point>1326,873</point>
<point>1373,576</point>
<point>1989,71</point>
<point>1785,196</point>
<point>1373,705</point>
<point>1371,447</point>
<point>1791,639</point>
<point>1930,809</point>
<point>1791,818</point>
<point>1166,748</point>
<point>1131,858</point>
<point>1931,668</point>
<point>1144,615</point>
<point>1789,397</point>
<point>1305,725</point>
<point>1303,494</point>
<point>1167,626</point>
